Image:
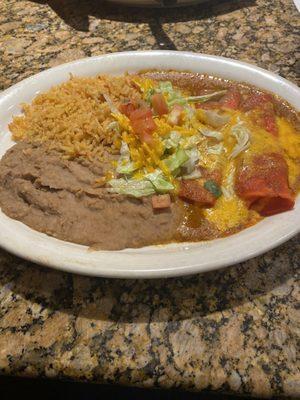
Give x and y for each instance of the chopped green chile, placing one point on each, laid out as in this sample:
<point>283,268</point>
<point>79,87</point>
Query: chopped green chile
<point>213,188</point>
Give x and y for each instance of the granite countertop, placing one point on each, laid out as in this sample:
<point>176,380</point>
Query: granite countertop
<point>234,330</point>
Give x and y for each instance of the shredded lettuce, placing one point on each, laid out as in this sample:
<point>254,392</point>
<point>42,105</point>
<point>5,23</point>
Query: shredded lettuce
<point>226,192</point>
<point>176,160</point>
<point>113,126</point>
<point>152,183</point>
<point>176,172</point>
<point>173,96</point>
<point>131,187</point>
<point>124,150</point>
<point>186,157</point>
<point>192,161</point>
<point>126,168</point>
<point>125,165</point>
<point>216,149</point>
<point>176,97</point>
<point>242,136</point>
<point>148,94</point>
<point>175,140</point>
<point>212,134</point>
<point>160,183</point>
<point>190,142</point>
<point>165,86</point>
<point>110,103</point>
<point>172,140</point>
<point>193,175</point>
<point>215,118</point>
<point>206,97</point>
<point>189,111</point>
<point>228,185</point>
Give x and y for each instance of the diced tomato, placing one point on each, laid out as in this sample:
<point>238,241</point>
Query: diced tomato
<point>264,185</point>
<point>231,99</point>
<point>141,113</point>
<point>143,124</point>
<point>146,138</point>
<point>159,104</point>
<point>127,108</point>
<point>161,201</point>
<point>144,128</point>
<point>192,191</point>
<point>175,116</point>
<point>141,120</point>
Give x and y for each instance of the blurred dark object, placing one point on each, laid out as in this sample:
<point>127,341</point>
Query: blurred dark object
<point>76,13</point>
<point>37,389</point>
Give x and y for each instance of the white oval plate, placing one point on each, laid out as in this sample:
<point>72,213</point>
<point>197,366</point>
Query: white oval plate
<point>297,4</point>
<point>154,261</point>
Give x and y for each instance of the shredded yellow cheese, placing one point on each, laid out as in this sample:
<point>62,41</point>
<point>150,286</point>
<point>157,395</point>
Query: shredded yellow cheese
<point>144,84</point>
<point>289,141</point>
<point>229,213</point>
<point>123,121</point>
<point>142,154</point>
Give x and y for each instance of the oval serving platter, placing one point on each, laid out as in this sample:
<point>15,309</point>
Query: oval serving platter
<point>153,261</point>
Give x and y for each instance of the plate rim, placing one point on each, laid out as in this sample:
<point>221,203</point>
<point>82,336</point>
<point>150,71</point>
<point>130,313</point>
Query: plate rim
<point>191,54</point>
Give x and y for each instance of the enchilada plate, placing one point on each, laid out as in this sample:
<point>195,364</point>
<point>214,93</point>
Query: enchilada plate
<point>153,261</point>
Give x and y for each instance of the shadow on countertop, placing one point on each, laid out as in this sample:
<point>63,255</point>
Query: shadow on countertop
<point>37,389</point>
<point>76,13</point>
<point>161,300</point>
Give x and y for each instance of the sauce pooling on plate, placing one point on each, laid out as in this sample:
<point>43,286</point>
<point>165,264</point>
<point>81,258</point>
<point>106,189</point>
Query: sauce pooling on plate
<point>151,158</point>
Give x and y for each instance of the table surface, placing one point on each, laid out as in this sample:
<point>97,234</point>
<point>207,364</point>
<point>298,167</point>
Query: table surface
<point>234,330</point>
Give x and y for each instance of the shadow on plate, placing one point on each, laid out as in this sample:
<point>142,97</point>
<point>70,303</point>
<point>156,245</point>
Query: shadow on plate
<point>75,13</point>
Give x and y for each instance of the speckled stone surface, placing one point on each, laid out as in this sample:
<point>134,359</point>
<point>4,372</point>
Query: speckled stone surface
<point>235,330</point>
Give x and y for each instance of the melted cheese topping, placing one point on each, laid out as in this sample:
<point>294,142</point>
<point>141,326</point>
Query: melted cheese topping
<point>229,212</point>
<point>290,143</point>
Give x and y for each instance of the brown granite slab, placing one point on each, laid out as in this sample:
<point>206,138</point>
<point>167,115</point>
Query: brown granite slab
<point>235,330</point>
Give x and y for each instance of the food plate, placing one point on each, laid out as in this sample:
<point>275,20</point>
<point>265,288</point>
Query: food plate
<point>153,261</point>
<point>297,4</point>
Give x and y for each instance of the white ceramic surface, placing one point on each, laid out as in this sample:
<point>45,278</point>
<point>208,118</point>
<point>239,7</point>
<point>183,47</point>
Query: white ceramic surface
<point>154,261</point>
<point>297,4</point>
